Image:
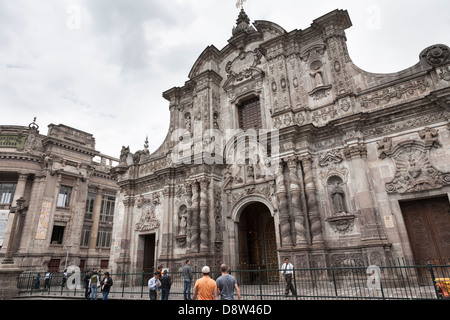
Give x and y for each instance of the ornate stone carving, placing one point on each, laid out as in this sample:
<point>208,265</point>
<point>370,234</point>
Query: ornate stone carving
<point>180,241</point>
<point>148,219</point>
<point>414,171</point>
<point>392,94</point>
<point>311,201</point>
<point>342,224</point>
<point>330,157</point>
<point>295,191</point>
<point>285,226</point>
<point>435,55</point>
<point>243,67</point>
<point>430,136</point>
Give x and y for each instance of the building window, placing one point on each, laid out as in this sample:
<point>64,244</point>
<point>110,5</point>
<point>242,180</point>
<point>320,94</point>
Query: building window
<point>7,192</point>
<point>104,238</point>
<point>250,114</point>
<point>57,235</point>
<point>85,236</point>
<point>107,208</point>
<point>89,211</point>
<point>104,264</point>
<point>64,196</point>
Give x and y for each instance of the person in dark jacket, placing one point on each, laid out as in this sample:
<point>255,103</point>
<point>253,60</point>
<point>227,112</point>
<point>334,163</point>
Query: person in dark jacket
<point>166,283</point>
<point>187,275</point>
<point>106,285</point>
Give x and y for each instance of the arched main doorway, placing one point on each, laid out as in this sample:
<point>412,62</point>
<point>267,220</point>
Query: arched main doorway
<point>257,243</point>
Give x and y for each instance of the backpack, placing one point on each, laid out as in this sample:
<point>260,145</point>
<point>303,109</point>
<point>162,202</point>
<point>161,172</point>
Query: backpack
<point>94,279</point>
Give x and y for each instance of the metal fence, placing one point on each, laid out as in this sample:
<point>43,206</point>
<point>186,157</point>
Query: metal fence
<point>384,283</point>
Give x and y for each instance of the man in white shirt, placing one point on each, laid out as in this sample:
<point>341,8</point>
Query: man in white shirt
<point>153,286</point>
<point>287,270</point>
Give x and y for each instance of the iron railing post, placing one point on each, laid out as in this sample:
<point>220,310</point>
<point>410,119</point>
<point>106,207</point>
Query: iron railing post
<point>334,282</point>
<point>433,279</point>
<point>123,283</point>
<point>260,283</point>
<point>142,284</point>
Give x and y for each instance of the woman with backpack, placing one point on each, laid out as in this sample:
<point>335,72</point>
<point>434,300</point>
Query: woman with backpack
<point>94,283</point>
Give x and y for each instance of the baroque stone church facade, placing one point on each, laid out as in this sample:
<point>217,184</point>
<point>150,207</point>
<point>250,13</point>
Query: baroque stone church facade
<point>279,145</point>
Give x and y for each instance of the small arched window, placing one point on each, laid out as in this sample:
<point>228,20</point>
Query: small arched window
<point>250,114</point>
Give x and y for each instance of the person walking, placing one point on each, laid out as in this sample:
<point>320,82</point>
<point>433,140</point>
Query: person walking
<point>287,270</point>
<point>106,285</point>
<point>205,288</point>
<point>158,292</point>
<point>37,281</point>
<point>64,278</point>
<point>94,282</point>
<point>166,283</point>
<point>47,277</point>
<point>153,286</point>
<point>87,287</point>
<point>187,274</point>
<point>226,284</point>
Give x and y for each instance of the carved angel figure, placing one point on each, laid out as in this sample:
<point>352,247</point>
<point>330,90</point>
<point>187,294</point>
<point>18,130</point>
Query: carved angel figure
<point>430,135</point>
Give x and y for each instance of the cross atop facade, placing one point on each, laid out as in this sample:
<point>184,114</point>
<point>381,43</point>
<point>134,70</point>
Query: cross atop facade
<point>240,3</point>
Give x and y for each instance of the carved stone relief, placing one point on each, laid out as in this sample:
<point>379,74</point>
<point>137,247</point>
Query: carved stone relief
<point>414,171</point>
<point>148,219</point>
<point>435,55</point>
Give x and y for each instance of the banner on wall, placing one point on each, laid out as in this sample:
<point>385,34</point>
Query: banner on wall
<point>44,218</point>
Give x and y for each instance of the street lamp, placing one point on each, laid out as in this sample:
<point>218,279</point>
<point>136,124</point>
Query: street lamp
<point>67,256</point>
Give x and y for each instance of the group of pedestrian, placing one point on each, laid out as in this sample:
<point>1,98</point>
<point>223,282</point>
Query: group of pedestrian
<point>207,288</point>
<point>159,285</point>
<point>224,286</point>
<point>93,284</point>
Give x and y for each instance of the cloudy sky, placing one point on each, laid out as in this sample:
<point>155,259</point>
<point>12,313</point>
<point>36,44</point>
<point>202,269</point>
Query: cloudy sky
<point>101,65</point>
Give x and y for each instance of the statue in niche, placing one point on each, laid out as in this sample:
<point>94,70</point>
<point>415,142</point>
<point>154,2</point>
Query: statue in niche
<point>337,198</point>
<point>182,216</point>
<point>316,72</point>
<point>187,121</point>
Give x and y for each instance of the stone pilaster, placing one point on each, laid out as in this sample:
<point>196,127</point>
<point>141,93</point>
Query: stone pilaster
<point>356,155</point>
<point>95,219</point>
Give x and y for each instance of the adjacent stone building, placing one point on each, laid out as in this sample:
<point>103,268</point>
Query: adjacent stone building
<point>57,200</point>
<point>279,145</point>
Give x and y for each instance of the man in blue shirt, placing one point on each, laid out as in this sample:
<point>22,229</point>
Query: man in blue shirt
<point>153,286</point>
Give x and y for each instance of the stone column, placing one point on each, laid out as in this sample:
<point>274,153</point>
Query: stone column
<point>297,212</point>
<point>15,231</point>
<point>127,230</point>
<point>195,218</point>
<point>16,210</point>
<point>204,222</point>
<point>285,226</point>
<point>95,219</point>
<point>20,188</point>
<point>311,200</point>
